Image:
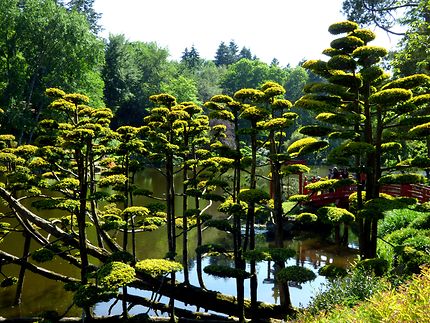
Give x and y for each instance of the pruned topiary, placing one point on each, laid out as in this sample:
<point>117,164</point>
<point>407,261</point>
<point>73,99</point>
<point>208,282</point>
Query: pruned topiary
<point>158,267</point>
<point>295,274</point>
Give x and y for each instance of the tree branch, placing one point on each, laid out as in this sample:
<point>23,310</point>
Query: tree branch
<point>11,259</point>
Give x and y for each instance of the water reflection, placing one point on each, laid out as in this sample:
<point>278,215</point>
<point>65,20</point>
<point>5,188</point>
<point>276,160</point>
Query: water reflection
<point>41,294</point>
<point>311,254</point>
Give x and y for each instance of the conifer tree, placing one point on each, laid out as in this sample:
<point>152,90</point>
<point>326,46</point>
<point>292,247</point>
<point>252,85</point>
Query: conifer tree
<point>71,145</point>
<point>361,106</point>
<point>191,58</point>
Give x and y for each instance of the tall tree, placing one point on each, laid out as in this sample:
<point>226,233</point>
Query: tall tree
<point>208,78</point>
<point>35,59</point>
<point>191,58</point>
<point>361,106</point>
<point>181,87</point>
<point>81,129</point>
<point>245,53</point>
<point>116,71</point>
<point>382,13</point>
<point>227,54</point>
<point>133,72</point>
<point>86,7</point>
<point>414,18</point>
<point>233,50</point>
<point>222,54</point>
<point>250,74</point>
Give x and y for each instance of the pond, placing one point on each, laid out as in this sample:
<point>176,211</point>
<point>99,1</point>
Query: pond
<point>41,294</point>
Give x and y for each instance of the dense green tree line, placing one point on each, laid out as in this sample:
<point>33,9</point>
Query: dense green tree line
<point>129,72</point>
<point>31,59</point>
<point>72,57</point>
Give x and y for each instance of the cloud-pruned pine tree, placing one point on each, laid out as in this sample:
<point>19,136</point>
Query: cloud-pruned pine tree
<point>360,106</point>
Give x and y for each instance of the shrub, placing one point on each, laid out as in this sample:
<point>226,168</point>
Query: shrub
<point>407,304</point>
<point>210,248</point>
<point>222,225</point>
<point>42,255</point>
<point>8,281</point>
<point>295,274</point>
<point>253,196</point>
<point>402,179</point>
<point>376,265</point>
<point>275,254</point>
<point>115,274</point>
<point>306,217</point>
<point>395,220</point>
<point>88,295</point>
<point>397,237</point>
<point>421,222</point>
<point>299,198</point>
<point>347,291</point>
<point>332,271</point>
<point>331,214</point>
<point>407,249</point>
<point>157,267</point>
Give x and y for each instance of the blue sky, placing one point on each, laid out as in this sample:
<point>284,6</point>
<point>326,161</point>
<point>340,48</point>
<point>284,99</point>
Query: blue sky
<point>289,30</point>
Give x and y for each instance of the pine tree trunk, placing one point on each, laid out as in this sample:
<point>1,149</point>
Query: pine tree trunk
<point>81,217</point>
<point>251,219</point>
<point>21,277</point>
<point>337,234</point>
<point>170,197</point>
<point>185,226</point>
<point>345,237</point>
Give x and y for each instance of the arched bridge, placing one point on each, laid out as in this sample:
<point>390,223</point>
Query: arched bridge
<point>340,196</point>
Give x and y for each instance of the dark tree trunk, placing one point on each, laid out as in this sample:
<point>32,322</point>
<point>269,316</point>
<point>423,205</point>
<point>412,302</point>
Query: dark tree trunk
<point>81,217</point>
<point>345,237</point>
<point>251,220</point>
<point>199,239</point>
<point>93,202</point>
<point>185,225</point>
<point>21,277</point>
<point>237,227</point>
<point>170,197</point>
<point>337,234</point>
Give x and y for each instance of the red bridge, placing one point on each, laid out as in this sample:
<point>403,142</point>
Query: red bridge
<point>341,195</point>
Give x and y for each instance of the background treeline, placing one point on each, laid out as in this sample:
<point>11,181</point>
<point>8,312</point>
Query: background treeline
<point>54,43</point>
<point>47,43</point>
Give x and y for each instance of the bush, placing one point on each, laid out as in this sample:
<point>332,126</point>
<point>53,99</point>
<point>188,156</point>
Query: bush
<point>397,237</point>
<point>295,274</point>
<point>157,267</point>
<point>408,304</point>
<point>347,291</point>
<point>331,271</point>
<point>407,249</point>
<point>421,222</point>
<point>114,275</point>
<point>396,220</point>
<point>376,265</point>
<point>402,179</point>
<point>306,217</point>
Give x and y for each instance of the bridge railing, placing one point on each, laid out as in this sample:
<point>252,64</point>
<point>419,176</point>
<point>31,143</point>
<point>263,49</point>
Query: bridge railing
<point>418,191</point>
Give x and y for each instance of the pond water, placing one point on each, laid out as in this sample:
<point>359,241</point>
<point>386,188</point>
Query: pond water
<point>310,253</point>
<point>41,294</point>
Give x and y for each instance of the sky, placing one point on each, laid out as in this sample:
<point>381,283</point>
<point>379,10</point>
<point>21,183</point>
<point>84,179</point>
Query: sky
<point>288,30</point>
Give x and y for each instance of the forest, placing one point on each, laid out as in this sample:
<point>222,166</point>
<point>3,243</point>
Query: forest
<point>124,173</point>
